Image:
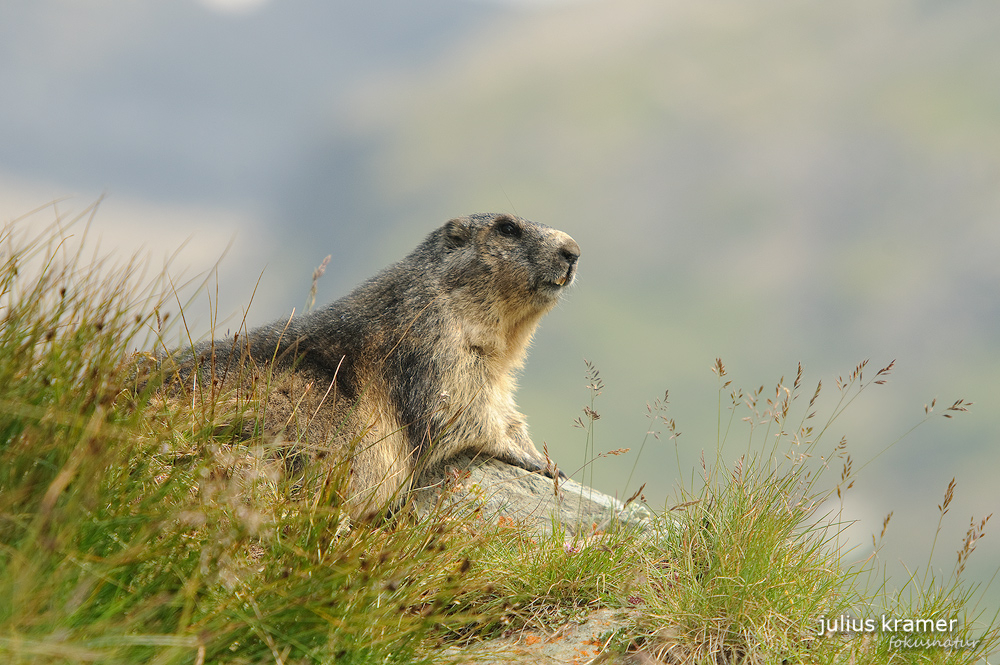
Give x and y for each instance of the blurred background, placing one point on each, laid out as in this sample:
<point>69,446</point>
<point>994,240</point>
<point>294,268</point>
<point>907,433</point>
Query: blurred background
<point>770,183</point>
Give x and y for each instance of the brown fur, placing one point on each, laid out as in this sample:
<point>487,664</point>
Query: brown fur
<point>416,364</point>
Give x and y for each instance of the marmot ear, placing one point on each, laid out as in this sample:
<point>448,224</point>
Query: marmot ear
<point>456,233</point>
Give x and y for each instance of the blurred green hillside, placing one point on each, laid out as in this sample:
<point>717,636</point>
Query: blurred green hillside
<point>767,182</point>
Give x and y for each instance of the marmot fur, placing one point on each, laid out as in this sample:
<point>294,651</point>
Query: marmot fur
<point>415,365</point>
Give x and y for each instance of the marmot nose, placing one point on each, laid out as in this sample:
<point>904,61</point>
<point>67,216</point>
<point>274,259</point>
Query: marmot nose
<point>570,250</point>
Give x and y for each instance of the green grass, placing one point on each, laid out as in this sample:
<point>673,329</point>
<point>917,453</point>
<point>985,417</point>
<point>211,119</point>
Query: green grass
<point>140,528</point>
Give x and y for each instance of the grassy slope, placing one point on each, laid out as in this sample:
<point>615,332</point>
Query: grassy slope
<point>139,529</point>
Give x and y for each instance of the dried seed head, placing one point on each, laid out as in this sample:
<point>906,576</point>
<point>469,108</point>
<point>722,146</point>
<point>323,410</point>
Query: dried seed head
<point>949,493</point>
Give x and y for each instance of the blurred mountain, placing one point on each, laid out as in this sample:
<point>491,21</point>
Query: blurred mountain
<point>171,100</point>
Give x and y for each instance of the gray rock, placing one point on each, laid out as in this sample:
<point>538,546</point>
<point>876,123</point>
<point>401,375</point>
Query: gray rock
<point>576,641</point>
<point>499,489</point>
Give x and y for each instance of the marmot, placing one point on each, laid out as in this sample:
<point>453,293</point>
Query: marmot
<point>415,365</point>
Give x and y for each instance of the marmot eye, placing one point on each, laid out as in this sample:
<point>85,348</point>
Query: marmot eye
<point>509,229</point>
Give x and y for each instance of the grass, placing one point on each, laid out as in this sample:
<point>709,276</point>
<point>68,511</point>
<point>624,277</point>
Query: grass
<point>761,556</point>
<point>135,528</point>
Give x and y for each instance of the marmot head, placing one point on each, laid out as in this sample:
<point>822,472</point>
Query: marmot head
<point>507,262</point>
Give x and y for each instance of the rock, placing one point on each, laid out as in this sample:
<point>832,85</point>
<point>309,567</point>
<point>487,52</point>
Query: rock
<point>579,641</point>
<point>500,490</point>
